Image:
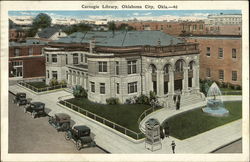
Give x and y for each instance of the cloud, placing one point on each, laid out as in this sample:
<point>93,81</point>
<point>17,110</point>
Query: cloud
<point>149,13</point>
<point>136,14</point>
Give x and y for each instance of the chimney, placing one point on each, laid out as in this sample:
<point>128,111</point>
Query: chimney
<point>91,45</point>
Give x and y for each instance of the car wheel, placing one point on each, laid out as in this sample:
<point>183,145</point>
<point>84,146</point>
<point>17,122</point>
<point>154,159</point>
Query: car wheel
<point>78,145</point>
<point>33,114</point>
<point>24,110</point>
<point>18,104</point>
<point>67,136</point>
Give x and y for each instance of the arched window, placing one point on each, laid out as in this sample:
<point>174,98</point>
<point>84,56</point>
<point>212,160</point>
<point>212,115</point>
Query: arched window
<point>179,66</point>
<point>166,69</point>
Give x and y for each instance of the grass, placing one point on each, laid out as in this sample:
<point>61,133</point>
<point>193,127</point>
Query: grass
<point>38,84</point>
<point>125,115</point>
<point>194,122</point>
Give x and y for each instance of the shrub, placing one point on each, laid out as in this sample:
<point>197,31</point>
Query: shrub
<point>53,82</point>
<point>152,95</point>
<point>142,99</point>
<point>79,91</point>
<point>131,100</point>
<point>63,82</point>
<point>113,101</point>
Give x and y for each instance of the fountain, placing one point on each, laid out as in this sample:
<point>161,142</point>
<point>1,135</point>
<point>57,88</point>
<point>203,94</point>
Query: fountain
<point>215,106</point>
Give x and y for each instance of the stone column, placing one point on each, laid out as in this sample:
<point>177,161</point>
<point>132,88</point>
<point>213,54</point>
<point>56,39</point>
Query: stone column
<point>160,83</point>
<point>197,79</point>
<point>185,80</point>
<point>70,78</point>
<point>171,82</point>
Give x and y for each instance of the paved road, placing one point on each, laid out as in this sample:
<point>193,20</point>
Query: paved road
<point>235,147</point>
<point>28,135</point>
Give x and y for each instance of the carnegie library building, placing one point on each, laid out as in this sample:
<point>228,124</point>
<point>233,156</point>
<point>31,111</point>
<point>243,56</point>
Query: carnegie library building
<point>124,64</point>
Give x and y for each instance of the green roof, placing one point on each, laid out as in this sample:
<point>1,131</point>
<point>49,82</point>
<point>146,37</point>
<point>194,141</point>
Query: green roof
<point>122,38</point>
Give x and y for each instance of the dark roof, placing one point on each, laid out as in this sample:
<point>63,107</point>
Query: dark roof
<point>81,127</point>
<point>29,42</point>
<point>62,116</point>
<point>47,32</point>
<point>122,38</point>
<point>37,103</point>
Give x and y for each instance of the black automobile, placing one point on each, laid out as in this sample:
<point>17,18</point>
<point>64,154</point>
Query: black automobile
<point>35,108</point>
<point>20,99</point>
<point>80,135</point>
<point>60,121</point>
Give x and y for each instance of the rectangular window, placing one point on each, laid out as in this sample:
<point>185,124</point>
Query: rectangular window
<point>233,53</point>
<point>208,51</point>
<point>102,88</point>
<point>17,52</point>
<point>234,75</point>
<point>132,87</point>
<point>31,51</point>
<point>117,68</point>
<point>54,74</point>
<point>220,50</point>
<point>86,59</point>
<point>92,84</point>
<point>103,66</point>
<point>81,57</point>
<point>54,58</point>
<point>117,88</point>
<point>47,58</point>
<point>47,73</point>
<point>132,67</point>
<point>75,58</point>
<point>208,72</point>
<point>221,74</point>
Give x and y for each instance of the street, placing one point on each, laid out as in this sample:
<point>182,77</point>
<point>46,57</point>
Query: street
<point>235,147</point>
<point>28,135</point>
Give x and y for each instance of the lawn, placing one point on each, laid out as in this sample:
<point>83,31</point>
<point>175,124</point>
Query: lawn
<point>229,91</point>
<point>125,115</point>
<point>194,122</point>
<point>38,84</point>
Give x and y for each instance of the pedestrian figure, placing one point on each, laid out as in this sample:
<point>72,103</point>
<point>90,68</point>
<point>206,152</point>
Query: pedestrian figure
<point>173,146</point>
<point>179,98</point>
<point>174,98</point>
<point>177,105</point>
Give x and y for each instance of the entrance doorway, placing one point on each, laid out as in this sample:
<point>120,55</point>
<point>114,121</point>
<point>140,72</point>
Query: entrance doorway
<point>178,84</point>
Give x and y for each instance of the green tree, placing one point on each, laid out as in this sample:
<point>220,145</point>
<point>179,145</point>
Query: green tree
<point>42,20</point>
<point>77,28</point>
<point>124,26</point>
<point>111,26</point>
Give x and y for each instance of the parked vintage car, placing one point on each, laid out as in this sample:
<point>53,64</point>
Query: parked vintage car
<point>80,136</point>
<point>60,121</point>
<point>35,108</point>
<point>20,99</point>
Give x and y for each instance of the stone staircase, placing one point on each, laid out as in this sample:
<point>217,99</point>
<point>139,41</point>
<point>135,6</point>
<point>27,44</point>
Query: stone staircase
<point>192,99</point>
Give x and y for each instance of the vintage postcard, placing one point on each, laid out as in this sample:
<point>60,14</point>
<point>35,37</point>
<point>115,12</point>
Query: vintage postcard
<point>124,81</point>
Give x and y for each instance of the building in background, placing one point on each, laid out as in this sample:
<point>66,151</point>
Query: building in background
<point>26,59</point>
<point>50,33</point>
<point>224,19</point>
<point>220,58</point>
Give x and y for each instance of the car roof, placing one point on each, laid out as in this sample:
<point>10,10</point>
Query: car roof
<point>81,127</point>
<point>21,93</point>
<point>62,116</point>
<point>37,103</point>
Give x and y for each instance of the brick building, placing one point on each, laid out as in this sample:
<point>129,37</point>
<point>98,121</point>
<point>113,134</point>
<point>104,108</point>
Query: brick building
<point>220,58</point>
<point>26,59</point>
<point>17,34</point>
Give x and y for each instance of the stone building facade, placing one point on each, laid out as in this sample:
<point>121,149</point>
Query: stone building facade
<point>126,64</point>
<point>220,58</point>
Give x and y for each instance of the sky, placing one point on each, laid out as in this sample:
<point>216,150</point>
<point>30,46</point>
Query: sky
<point>128,14</point>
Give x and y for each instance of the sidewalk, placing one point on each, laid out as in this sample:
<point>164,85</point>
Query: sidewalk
<point>114,143</point>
